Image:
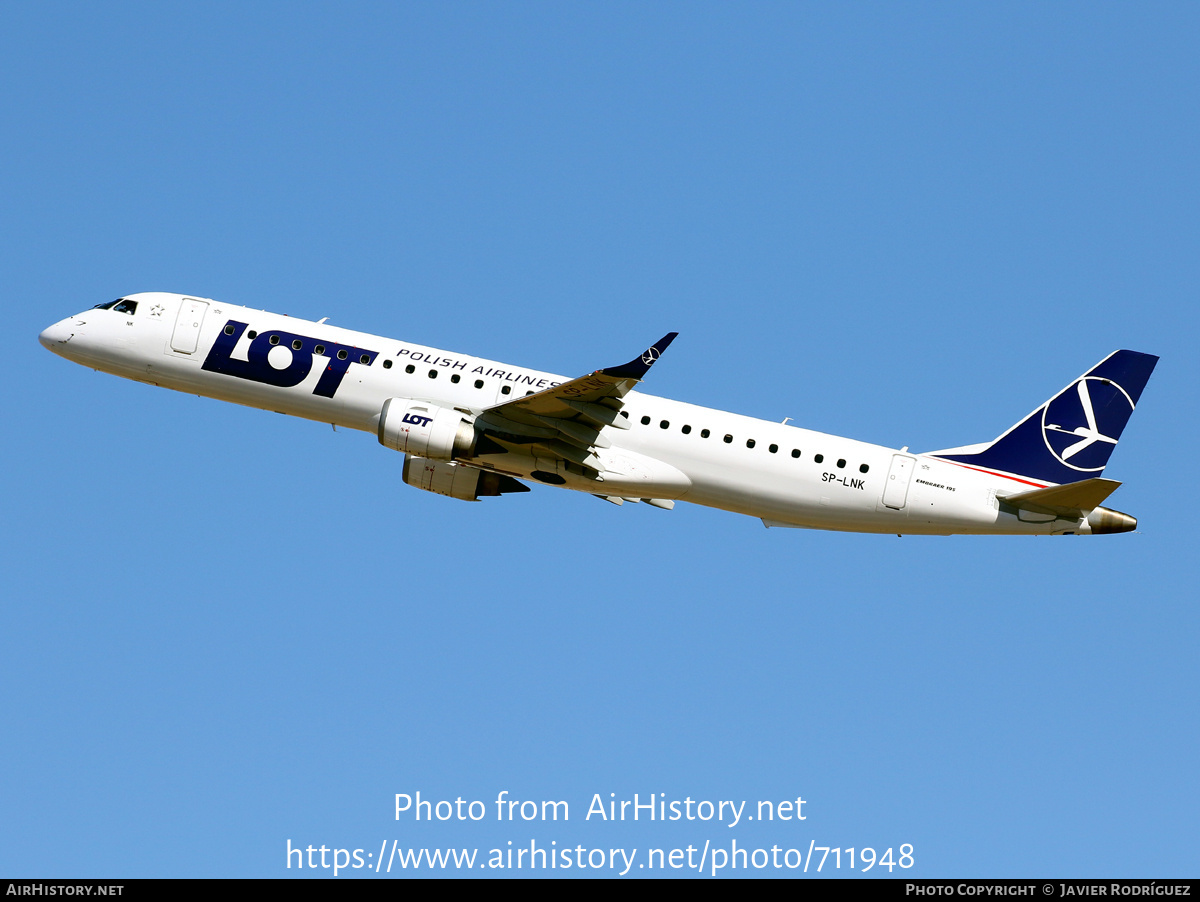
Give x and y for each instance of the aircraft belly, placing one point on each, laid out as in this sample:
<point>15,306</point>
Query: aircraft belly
<point>775,497</point>
<point>933,507</point>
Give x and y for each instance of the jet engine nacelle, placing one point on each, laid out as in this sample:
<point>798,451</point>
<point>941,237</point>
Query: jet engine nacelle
<point>425,430</point>
<point>445,477</point>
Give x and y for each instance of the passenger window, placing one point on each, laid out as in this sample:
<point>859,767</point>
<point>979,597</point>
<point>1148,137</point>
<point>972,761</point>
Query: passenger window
<point>365,359</point>
<point>749,443</point>
<point>818,457</point>
<point>704,433</point>
<point>506,390</point>
<point>665,424</point>
<point>410,369</point>
<point>229,330</point>
<point>297,345</point>
<point>645,421</point>
<point>342,354</point>
<point>387,364</point>
<point>479,383</point>
<point>252,335</point>
<point>773,448</point>
<point>728,439</point>
<point>455,378</point>
<point>129,307</point>
<point>319,350</point>
<point>795,452</point>
<point>528,393</point>
<point>686,430</point>
<point>433,374</point>
<point>841,464</point>
<point>274,339</point>
<point>862,468</point>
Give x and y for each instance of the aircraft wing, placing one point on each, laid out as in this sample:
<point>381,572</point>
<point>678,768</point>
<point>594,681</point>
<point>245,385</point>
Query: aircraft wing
<point>565,421</point>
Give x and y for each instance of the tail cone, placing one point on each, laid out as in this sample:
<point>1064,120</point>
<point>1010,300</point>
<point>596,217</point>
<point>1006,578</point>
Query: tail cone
<point>1102,521</point>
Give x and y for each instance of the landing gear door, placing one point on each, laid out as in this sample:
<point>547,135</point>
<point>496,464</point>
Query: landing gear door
<point>187,326</point>
<point>895,489</point>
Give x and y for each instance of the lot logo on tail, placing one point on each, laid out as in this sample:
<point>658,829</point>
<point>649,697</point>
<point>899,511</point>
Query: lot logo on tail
<point>1081,425</point>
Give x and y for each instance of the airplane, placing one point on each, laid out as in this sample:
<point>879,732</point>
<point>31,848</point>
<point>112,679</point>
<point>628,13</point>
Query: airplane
<point>471,428</point>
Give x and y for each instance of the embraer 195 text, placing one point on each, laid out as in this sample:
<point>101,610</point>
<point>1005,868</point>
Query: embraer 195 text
<point>470,427</point>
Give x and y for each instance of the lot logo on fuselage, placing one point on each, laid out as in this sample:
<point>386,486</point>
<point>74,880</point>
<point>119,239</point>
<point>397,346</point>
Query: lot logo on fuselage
<point>1103,408</point>
<point>283,358</point>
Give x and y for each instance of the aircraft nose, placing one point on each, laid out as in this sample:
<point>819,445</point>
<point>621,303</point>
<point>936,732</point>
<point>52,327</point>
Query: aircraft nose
<point>53,337</point>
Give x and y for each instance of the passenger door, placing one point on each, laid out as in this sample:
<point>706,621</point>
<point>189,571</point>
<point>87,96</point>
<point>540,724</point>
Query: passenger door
<point>895,488</point>
<point>187,326</point>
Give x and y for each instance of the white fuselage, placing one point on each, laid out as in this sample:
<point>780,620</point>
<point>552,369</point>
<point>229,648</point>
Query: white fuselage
<point>786,475</point>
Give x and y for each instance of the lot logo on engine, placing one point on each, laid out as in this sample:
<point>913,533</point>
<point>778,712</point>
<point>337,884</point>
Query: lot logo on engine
<point>283,358</point>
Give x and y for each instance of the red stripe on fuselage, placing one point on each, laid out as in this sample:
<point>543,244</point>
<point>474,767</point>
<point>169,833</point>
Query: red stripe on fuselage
<point>1040,485</point>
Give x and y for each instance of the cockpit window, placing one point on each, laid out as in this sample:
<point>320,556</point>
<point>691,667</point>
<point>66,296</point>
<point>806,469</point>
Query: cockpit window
<point>129,307</point>
<point>109,305</point>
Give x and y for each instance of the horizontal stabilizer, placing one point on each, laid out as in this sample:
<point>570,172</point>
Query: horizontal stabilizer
<point>1072,499</point>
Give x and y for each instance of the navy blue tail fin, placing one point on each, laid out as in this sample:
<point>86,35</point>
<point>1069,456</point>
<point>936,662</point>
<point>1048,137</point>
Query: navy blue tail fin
<point>1071,436</point>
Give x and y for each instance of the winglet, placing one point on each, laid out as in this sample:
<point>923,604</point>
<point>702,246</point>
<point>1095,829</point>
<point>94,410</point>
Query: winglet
<point>637,367</point>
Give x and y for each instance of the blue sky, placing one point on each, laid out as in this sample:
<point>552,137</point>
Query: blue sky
<point>223,629</point>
